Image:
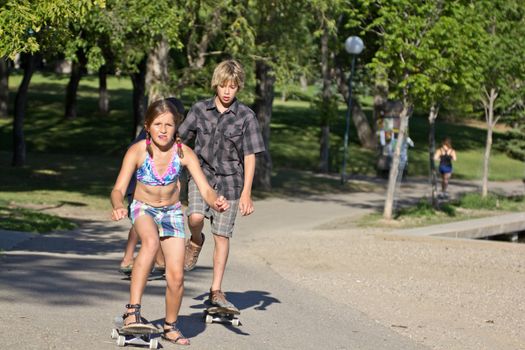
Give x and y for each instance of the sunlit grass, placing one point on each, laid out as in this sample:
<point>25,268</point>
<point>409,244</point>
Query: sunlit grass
<point>468,206</point>
<point>26,220</point>
<point>77,160</point>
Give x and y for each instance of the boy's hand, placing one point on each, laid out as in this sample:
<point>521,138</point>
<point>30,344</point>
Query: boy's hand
<point>222,204</point>
<point>119,214</point>
<point>245,205</point>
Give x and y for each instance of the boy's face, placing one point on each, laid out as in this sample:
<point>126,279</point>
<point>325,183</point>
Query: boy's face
<point>226,92</point>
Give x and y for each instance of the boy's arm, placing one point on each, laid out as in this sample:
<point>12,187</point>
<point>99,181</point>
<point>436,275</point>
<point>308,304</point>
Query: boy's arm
<point>245,202</point>
<point>191,162</point>
<point>187,128</point>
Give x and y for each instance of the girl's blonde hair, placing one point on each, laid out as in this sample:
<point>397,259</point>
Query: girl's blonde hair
<point>229,70</point>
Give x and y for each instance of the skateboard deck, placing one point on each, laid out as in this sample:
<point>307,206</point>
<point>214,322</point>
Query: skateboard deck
<point>135,335</point>
<point>222,315</point>
<point>154,275</point>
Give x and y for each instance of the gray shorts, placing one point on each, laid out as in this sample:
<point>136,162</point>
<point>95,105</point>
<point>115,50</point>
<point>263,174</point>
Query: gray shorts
<point>221,223</point>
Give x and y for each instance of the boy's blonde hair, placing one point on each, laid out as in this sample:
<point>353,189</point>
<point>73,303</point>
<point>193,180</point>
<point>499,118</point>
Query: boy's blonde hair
<point>229,70</point>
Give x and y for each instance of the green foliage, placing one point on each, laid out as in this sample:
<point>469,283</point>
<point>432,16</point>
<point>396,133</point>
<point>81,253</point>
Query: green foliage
<point>502,50</point>
<point>25,25</point>
<point>425,47</point>
<point>514,143</point>
<point>25,220</point>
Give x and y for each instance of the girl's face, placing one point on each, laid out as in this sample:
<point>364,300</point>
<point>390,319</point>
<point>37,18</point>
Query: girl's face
<point>226,93</point>
<point>162,129</point>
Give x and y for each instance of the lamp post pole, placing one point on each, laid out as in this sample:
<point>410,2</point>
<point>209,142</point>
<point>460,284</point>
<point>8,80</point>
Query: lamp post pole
<point>348,115</point>
<point>354,46</point>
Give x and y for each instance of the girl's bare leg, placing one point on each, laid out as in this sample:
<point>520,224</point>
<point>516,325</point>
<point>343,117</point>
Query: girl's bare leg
<point>148,233</point>
<point>173,248</point>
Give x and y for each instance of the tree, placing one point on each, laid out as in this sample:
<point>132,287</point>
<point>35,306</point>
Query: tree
<point>137,30</point>
<point>503,75</point>
<point>278,52</point>
<point>413,54</point>
<point>28,27</point>
<point>4,87</point>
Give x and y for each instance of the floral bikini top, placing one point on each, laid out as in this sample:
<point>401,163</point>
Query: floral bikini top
<point>148,175</point>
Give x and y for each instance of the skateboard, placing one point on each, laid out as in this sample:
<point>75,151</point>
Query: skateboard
<point>140,335</point>
<point>154,275</point>
<point>222,315</point>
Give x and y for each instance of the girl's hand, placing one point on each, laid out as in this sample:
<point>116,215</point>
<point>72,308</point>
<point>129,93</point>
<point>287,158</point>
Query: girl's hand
<point>221,204</point>
<point>119,214</point>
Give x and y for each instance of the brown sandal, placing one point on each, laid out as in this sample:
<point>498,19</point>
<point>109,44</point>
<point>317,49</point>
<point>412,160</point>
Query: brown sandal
<point>180,340</point>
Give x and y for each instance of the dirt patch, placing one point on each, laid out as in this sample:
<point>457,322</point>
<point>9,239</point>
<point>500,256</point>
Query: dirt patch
<point>444,293</point>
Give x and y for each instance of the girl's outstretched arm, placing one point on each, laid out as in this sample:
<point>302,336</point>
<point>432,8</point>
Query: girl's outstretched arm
<point>191,162</point>
<point>127,169</point>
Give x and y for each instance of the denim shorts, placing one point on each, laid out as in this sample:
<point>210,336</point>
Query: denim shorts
<point>169,219</point>
<point>445,169</point>
<point>221,223</point>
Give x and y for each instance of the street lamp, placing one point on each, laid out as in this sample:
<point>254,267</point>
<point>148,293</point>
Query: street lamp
<point>354,46</point>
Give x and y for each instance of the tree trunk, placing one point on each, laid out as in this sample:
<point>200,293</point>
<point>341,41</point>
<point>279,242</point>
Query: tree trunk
<point>394,168</point>
<point>488,105</point>
<point>364,130</point>
<point>4,87</point>
<point>19,144</point>
<point>77,70</point>
<point>264,94</point>
<point>380,98</point>
<point>138,80</point>
<point>157,76</point>
<point>103,95</point>
<point>326,111</point>
<point>432,116</point>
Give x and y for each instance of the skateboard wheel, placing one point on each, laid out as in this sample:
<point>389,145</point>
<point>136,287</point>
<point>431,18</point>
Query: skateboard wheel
<point>235,322</point>
<point>114,334</point>
<point>209,319</point>
<point>121,340</point>
<point>153,344</point>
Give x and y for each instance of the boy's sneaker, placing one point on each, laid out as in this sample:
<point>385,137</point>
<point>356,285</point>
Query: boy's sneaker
<point>192,254</point>
<point>217,298</point>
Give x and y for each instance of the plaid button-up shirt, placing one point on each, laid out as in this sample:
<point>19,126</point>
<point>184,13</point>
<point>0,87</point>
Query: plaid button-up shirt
<point>221,142</point>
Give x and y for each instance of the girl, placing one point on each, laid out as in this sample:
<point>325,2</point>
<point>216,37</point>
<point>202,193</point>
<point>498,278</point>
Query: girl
<point>445,154</point>
<point>156,212</point>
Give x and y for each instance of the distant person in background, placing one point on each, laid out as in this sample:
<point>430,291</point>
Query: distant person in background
<point>126,265</point>
<point>403,157</point>
<point>445,154</point>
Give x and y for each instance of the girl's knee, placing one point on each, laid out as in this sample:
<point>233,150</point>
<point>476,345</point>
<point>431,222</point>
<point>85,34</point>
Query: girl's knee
<point>175,279</point>
<point>150,244</point>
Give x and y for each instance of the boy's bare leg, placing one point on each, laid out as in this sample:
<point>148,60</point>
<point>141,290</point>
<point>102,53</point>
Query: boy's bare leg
<point>196,224</point>
<point>159,258</point>
<point>220,258</point>
<point>194,245</point>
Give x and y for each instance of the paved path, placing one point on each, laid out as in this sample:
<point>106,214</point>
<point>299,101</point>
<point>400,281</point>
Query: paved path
<point>61,291</point>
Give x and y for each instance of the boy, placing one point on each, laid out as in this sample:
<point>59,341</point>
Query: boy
<point>227,137</point>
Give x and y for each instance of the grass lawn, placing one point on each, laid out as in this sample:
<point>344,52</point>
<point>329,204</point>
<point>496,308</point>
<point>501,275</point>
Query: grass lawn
<point>469,206</point>
<point>25,220</point>
<point>76,161</point>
